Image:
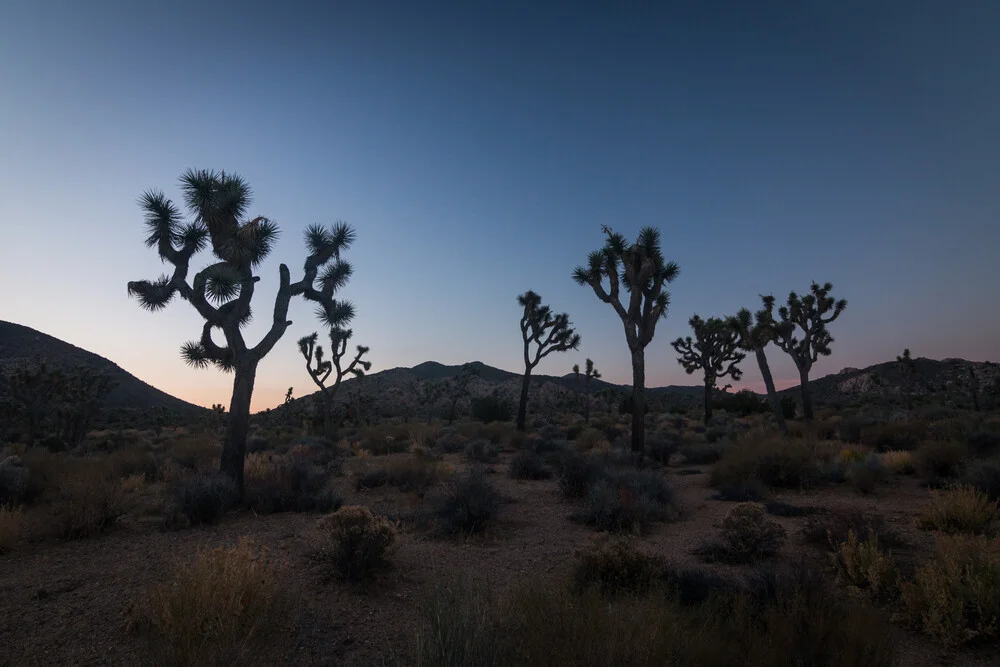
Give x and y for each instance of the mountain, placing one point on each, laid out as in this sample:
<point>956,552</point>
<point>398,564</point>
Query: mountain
<point>945,379</point>
<point>21,347</point>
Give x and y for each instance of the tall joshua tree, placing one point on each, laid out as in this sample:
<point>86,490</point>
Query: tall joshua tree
<point>640,269</point>
<point>908,368</point>
<point>320,370</point>
<point>589,373</point>
<point>755,331</point>
<point>809,314</point>
<point>548,333</point>
<point>223,290</point>
<point>714,350</point>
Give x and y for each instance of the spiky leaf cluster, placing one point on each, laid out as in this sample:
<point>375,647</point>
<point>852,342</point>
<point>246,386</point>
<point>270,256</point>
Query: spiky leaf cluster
<point>801,329</point>
<point>590,372</point>
<point>549,333</point>
<point>714,349</point>
<point>222,291</point>
<point>754,330</point>
<point>641,270</point>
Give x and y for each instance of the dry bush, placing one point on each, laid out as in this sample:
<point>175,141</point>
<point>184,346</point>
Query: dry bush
<point>748,534</point>
<point>482,451</point>
<point>218,610</point>
<point>864,566</point>
<point>618,567</point>
<point>960,509</point>
<point>590,438</point>
<point>866,475</point>
<point>194,452</point>
<point>538,623</point>
<point>938,460</point>
<point>833,529</point>
<point>355,542</point>
<point>852,454</point>
<point>414,473</point>
<point>894,435</point>
<point>290,484</point>
<point>469,502</point>
<point>134,483</point>
<point>628,501</point>
<point>200,499</point>
<point>90,501</point>
<point>424,435</point>
<point>527,464</point>
<point>899,462</point>
<point>955,597</point>
<point>11,520</point>
<point>130,462</point>
<point>775,462</point>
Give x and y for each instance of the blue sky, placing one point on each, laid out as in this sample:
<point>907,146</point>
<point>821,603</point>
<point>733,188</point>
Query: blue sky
<point>478,148</point>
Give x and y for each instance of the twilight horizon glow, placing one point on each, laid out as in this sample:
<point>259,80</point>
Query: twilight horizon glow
<point>478,150</point>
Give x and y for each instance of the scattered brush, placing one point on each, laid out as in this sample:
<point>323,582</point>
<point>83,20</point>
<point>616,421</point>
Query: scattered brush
<point>469,502</point>
<point>355,542</point>
<point>747,536</point>
<point>899,462</point>
<point>628,502</point>
<point>200,499</point>
<point>833,528</point>
<point>865,567</point>
<point>960,509</point>
<point>529,465</point>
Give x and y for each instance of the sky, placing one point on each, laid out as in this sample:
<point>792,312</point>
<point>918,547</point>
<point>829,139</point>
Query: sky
<point>478,147</point>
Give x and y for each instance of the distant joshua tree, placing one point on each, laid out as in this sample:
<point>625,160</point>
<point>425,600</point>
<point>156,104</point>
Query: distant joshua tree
<point>715,351</point>
<point>640,269</point>
<point>320,370</point>
<point>222,291</point>
<point>590,373</point>
<point>810,314</point>
<point>548,333</point>
<point>755,332</point>
<point>908,369</point>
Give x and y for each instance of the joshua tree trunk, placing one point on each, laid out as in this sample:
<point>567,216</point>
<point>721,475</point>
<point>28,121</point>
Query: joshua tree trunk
<point>709,384</point>
<point>638,403</point>
<point>772,396</point>
<point>522,406</point>
<point>234,447</point>
<point>807,404</point>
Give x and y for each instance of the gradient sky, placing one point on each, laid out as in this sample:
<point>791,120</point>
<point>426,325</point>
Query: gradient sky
<point>478,147</point>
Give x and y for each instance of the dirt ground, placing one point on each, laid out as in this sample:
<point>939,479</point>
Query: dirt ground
<point>65,603</point>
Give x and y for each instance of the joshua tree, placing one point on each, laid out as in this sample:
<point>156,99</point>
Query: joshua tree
<point>222,291</point>
<point>810,313</point>
<point>755,331</point>
<point>320,370</point>
<point>715,350</point>
<point>642,271</point>
<point>548,333</point>
<point>908,369</point>
<point>590,373</point>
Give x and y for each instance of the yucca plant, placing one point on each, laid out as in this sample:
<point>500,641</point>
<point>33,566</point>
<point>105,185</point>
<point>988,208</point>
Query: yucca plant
<point>640,269</point>
<point>222,291</point>
<point>321,370</point>
<point>714,350</point>
<point>546,333</point>
<point>755,331</point>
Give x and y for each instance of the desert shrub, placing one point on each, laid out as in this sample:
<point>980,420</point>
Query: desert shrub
<point>451,443</point>
<point>15,482</point>
<point>414,473</point>
<point>899,462</point>
<point>628,501</point>
<point>355,542</point>
<point>715,434</point>
<point>90,501</point>
<point>220,609</point>
<point>482,451</point>
<point>256,443</point>
<point>201,499</point>
<point>747,535</point>
<point>660,446</point>
<point>893,435</point>
<point>852,454</point>
<point>701,454</point>
<point>470,501</point>
<point>459,626</point>
<point>986,478</point>
<point>618,567</point>
<point>578,472</point>
<point>490,409</point>
<point>780,463</point>
<point>290,484</point>
<point>866,475</point>
<point>939,460</point>
<point>780,508</point>
<point>379,441</point>
<point>529,465</point>
<point>960,509</point>
<point>983,442</point>
<point>551,432</point>
<point>11,520</point>
<point>741,491</point>
<point>128,462</point>
<point>850,429</point>
<point>865,567</point>
<point>833,529</point>
<point>371,479</point>
<point>955,597</point>
<point>590,438</point>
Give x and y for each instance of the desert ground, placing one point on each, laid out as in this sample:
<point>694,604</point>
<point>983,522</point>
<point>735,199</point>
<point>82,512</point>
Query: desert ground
<point>484,545</point>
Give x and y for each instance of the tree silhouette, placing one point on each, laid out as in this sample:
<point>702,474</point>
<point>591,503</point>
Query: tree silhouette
<point>320,370</point>
<point>590,373</point>
<point>714,350</point>
<point>755,331</point>
<point>809,314</point>
<point>548,333</point>
<point>222,291</point>
<point>908,369</point>
<point>640,269</point>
